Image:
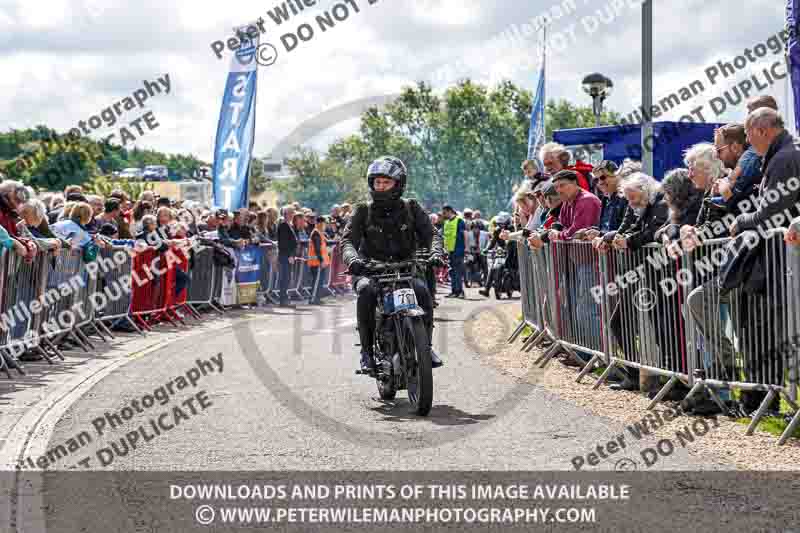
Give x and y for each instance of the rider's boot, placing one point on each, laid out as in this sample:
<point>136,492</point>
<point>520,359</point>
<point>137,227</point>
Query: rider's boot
<point>485,291</point>
<point>436,361</point>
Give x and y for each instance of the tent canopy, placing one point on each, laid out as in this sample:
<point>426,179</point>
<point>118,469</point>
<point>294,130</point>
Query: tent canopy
<point>670,141</point>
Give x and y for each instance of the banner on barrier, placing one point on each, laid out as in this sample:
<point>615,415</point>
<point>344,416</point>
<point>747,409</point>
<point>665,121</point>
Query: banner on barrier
<point>248,269</point>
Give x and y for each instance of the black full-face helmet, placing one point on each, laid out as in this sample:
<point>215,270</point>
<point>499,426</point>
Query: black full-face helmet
<point>388,167</point>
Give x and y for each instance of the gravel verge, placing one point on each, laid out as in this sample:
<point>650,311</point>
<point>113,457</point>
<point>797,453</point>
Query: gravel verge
<point>725,444</point>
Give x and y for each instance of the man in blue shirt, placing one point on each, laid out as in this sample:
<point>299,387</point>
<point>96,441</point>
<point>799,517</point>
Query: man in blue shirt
<point>455,240</point>
<point>732,148</point>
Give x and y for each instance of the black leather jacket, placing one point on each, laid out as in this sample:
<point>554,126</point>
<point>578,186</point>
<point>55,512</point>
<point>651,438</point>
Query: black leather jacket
<point>392,234</point>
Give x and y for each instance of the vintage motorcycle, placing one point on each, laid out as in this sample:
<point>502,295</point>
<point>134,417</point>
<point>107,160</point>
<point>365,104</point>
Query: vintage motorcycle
<point>504,280</point>
<point>402,351</point>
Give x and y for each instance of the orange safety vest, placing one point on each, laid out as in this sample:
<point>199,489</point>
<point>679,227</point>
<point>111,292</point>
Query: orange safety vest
<point>312,252</point>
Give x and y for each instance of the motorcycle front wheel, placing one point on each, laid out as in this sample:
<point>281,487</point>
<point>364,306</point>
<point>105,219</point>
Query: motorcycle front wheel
<point>419,374</point>
<point>386,389</point>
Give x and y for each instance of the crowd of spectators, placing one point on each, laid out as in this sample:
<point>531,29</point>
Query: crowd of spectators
<point>32,225</point>
<point>739,180</point>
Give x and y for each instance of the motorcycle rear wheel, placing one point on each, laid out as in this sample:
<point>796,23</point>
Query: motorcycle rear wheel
<point>419,373</point>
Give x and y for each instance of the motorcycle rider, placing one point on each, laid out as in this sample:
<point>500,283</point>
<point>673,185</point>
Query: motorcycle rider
<point>391,229</point>
<point>503,223</point>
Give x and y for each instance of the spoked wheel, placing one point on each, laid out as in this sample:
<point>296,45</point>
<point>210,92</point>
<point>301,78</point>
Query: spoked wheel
<point>419,376</point>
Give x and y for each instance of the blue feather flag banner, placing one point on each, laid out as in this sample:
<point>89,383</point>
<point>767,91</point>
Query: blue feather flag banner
<point>236,128</point>
<point>536,135</point>
<point>793,55</point>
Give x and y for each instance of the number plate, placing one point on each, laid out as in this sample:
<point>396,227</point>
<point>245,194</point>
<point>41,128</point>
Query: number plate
<point>399,300</point>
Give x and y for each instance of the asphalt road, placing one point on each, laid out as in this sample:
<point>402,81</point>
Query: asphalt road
<point>288,399</point>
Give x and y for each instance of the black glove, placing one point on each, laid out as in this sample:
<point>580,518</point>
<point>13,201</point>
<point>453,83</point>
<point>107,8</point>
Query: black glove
<point>357,267</point>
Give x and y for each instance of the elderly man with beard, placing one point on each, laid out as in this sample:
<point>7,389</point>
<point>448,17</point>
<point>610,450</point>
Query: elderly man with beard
<point>556,158</point>
<point>646,213</point>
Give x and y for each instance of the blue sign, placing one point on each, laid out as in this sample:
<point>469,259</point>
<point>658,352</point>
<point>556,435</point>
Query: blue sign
<point>248,269</point>
<point>236,129</point>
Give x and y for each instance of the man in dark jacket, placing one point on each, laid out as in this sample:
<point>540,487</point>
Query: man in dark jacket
<point>760,320</point>
<point>387,229</point>
<point>779,191</point>
<point>287,250</point>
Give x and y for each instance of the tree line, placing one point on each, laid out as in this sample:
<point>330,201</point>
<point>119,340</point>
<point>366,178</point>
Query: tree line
<point>464,146</point>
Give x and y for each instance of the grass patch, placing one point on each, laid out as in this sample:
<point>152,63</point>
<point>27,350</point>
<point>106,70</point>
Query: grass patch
<point>772,425</point>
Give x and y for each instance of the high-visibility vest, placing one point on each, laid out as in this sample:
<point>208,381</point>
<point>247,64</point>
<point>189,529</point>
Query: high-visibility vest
<point>451,233</point>
<point>312,251</point>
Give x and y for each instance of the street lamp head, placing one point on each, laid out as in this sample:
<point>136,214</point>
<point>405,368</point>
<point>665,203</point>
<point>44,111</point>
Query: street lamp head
<point>596,85</point>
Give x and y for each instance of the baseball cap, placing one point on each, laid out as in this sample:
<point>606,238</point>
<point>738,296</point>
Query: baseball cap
<point>607,166</point>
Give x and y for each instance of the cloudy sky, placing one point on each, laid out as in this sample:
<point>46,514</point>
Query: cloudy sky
<point>66,60</point>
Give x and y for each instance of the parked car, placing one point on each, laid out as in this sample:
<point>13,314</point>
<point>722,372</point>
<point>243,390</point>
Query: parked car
<point>155,173</point>
<point>131,173</point>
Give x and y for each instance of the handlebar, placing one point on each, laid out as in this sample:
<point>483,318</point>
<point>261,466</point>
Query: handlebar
<point>379,267</point>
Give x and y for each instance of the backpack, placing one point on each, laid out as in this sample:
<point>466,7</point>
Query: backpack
<point>409,219</point>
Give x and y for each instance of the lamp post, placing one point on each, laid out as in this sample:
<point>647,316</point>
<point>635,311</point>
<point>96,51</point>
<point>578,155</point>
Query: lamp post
<point>599,88</point>
<point>647,86</point>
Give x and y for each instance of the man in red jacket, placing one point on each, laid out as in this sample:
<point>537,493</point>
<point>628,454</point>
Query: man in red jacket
<point>556,158</point>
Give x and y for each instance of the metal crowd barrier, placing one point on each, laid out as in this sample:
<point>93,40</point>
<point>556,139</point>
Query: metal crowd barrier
<point>645,310</point>
<point>65,296</point>
<point>114,281</point>
<point>268,273</point>
<point>22,283</point>
<point>326,275</point>
<point>57,297</point>
<point>298,270</point>
<point>203,279</point>
<point>339,282</point>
